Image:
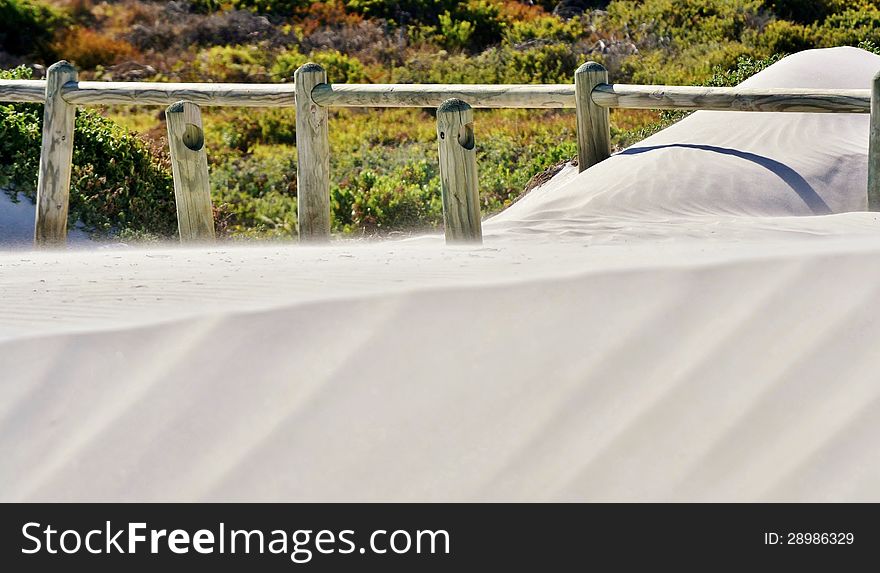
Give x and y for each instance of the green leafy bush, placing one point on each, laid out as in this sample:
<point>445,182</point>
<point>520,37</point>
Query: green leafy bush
<point>541,63</point>
<point>242,63</point>
<point>545,28</point>
<point>340,68</point>
<point>116,184</point>
<point>782,36</point>
<point>405,199</point>
<point>745,68</point>
<point>27,27</point>
<point>849,28</point>
<point>255,194</point>
<point>694,21</point>
<point>808,11</point>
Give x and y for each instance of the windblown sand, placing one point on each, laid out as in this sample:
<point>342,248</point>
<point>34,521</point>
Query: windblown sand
<point>692,319</point>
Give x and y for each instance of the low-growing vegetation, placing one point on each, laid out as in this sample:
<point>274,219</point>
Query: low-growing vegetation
<point>384,166</point>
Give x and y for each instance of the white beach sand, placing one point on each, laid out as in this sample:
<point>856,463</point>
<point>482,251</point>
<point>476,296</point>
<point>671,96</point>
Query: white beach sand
<point>693,319</point>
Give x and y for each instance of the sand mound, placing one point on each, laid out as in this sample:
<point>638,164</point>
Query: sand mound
<point>735,168</point>
<point>607,353</point>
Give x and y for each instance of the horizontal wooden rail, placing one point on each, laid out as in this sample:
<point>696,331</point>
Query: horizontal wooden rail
<point>153,93</point>
<point>732,99</point>
<point>22,91</point>
<point>244,95</point>
<point>432,95</point>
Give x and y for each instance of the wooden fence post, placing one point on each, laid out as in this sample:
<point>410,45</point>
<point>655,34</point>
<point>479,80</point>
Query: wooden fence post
<point>56,156</point>
<point>593,121</point>
<point>313,157</point>
<point>874,148</point>
<point>189,166</point>
<point>459,186</point>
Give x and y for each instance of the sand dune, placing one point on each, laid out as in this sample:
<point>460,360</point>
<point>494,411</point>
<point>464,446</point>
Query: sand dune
<point>690,320</point>
<point>724,172</point>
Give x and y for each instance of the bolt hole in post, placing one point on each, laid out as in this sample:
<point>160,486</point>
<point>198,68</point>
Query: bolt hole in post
<point>466,136</point>
<point>193,137</point>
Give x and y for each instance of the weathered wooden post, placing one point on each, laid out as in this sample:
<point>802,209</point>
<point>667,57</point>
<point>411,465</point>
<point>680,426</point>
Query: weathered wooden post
<point>189,166</point>
<point>458,172</point>
<point>56,157</point>
<point>593,121</point>
<point>874,148</point>
<point>313,157</point>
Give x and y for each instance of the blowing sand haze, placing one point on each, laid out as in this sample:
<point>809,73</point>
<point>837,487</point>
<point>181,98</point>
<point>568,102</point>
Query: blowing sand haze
<point>691,319</point>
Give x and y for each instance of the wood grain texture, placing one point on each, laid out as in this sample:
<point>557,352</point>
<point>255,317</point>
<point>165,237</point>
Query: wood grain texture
<point>593,121</point>
<point>432,95</point>
<point>459,185</point>
<point>205,94</point>
<point>56,155</point>
<point>23,91</point>
<point>732,99</point>
<point>874,148</point>
<point>189,166</point>
<point>313,157</point>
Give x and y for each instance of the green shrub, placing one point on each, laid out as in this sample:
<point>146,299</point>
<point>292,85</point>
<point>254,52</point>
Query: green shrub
<point>340,68</point>
<point>694,21</point>
<point>485,23</point>
<point>233,132</point>
<point>116,184</point>
<point>744,68</point>
<point>809,11</point>
<point>454,34</point>
<point>849,27</point>
<point>406,199</point>
<point>781,36</point>
<point>542,63</point>
<point>227,64</point>
<point>27,27</point>
<point>870,46</point>
<point>255,194</point>
<point>544,28</point>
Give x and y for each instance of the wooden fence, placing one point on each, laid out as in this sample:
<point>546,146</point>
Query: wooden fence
<point>590,95</point>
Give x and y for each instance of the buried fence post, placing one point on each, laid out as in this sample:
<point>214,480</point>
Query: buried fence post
<point>874,148</point>
<point>313,157</point>
<point>458,172</point>
<point>56,156</point>
<point>593,121</point>
<point>189,167</point>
